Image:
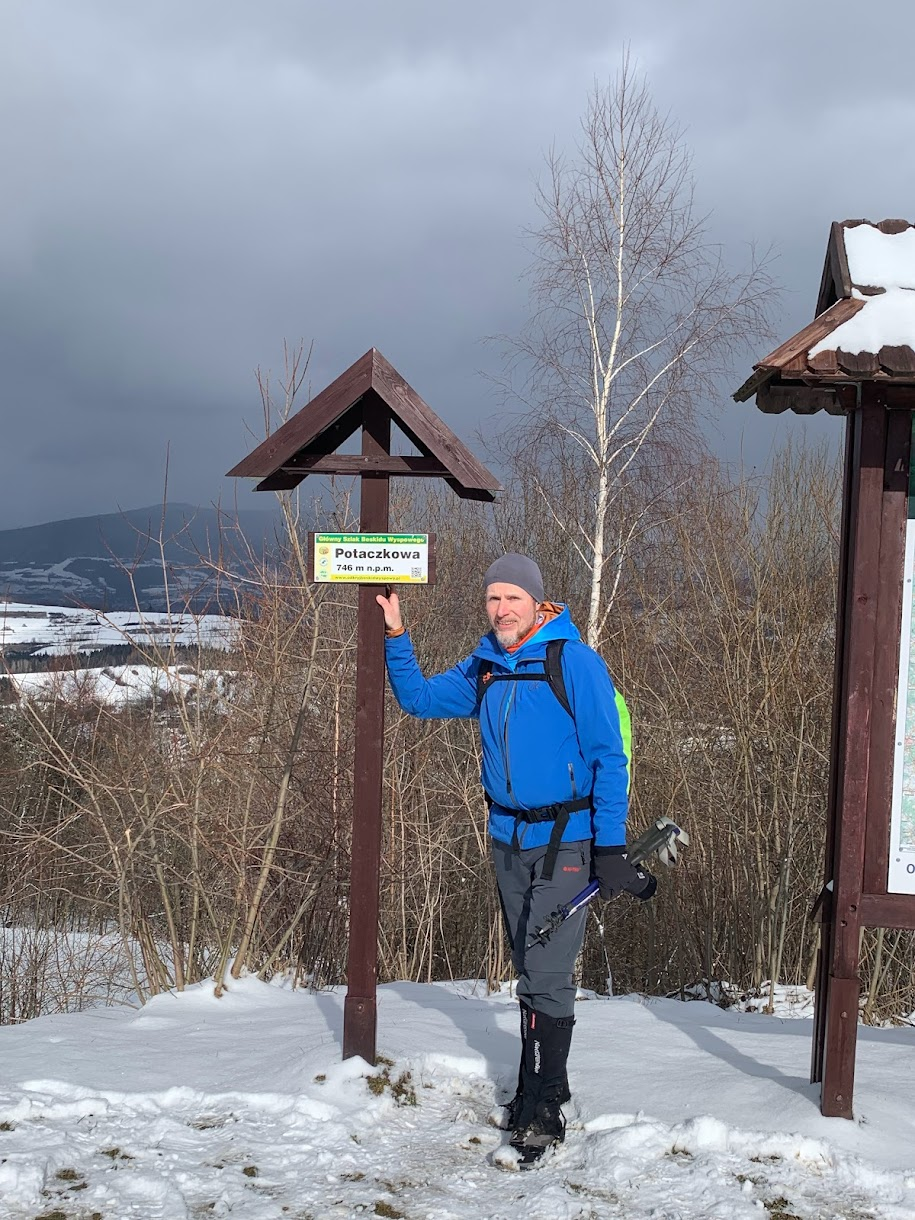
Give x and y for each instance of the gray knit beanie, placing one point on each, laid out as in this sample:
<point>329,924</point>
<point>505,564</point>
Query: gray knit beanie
<point>517,570</point>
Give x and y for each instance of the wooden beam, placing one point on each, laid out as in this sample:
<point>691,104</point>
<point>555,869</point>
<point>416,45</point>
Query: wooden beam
<point>471,493</point>
<point>886,662</point>
<point>839,256</point>
<point>864,585</point>
<point>361,463</point>
<point>330,439</point>
<point>836,281</point>
<point>841,1046</point>
<point>827,294</point>
<point>360,1004</point>
<point>900,397</point>
<point>282,480</point>
<point>888,910</point>
<point>286,477</point>
<point>836,754</point>
<point>427,431</point>
<point>753,383</point>
<point>801,343</point>
<point>321,426</point>
<point>324,410</point>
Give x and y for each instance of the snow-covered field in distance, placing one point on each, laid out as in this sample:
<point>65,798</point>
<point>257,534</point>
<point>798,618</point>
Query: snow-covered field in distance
<point>45,631</point>
<point>196,1106</point>
<point>61,630</point>
<point>114,686</point>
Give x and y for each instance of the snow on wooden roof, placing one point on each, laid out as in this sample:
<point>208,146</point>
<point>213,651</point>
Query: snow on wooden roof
<point>864,328</point>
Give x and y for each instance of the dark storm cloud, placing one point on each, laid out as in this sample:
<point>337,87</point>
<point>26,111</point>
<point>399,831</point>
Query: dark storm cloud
<point>189,184</point>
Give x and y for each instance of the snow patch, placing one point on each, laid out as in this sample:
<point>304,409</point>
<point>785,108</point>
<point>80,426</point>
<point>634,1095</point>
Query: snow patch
<point>880,260</point>
<point>887,320</point>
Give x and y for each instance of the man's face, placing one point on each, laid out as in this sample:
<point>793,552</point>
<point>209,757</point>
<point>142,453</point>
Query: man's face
<point>511,613</point>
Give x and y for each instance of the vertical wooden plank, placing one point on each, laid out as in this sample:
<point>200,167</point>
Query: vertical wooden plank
<point>841,1047</point>
<point>849,501</point>
<point>359,1008</point>
<point>886,662</point>
<point>842,1004</point>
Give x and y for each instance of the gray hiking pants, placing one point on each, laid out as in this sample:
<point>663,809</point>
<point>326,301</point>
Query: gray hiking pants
<point>544,971</point>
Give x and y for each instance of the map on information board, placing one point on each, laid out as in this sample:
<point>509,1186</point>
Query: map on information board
<point>901,878</point>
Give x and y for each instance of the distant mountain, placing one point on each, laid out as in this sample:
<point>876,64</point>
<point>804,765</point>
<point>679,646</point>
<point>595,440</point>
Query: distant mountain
<point>115,561</point>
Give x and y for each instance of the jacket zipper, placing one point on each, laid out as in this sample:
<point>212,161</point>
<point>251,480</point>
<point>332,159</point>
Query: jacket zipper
<point>572,782</point>
<point>505,754</point>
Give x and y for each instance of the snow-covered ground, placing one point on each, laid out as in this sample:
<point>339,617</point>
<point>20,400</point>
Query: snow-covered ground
<point>60,630</point>
<point>195,1106</point>
<point>117,685</point>
<point>56,630</point>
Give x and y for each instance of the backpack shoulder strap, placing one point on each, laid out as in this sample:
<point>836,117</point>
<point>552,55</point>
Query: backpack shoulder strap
<point>554,675</point>
<point>484,673</point>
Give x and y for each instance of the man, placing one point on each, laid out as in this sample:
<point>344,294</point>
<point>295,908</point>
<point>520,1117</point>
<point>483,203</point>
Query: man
<point>557,785</point>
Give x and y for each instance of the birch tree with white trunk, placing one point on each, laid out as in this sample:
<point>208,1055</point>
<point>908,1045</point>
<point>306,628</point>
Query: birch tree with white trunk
<point>636,316</point>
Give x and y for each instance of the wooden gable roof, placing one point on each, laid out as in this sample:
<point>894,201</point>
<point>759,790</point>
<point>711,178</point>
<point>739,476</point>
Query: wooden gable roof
<point>305,442</point>
<point>810,372</point>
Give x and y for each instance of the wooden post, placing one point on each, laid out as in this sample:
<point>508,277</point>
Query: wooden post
<point>841,1017</point>
<point>886,662</point>
<point>824,957</point>
<point>371,394</point>
<point>359,1008</point>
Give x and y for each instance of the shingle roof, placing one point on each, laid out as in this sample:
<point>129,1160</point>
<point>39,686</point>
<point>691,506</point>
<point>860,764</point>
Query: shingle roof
<point>864,328</point>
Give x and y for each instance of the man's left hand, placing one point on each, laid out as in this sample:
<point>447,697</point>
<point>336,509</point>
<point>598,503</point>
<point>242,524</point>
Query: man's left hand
<point>612,870</point>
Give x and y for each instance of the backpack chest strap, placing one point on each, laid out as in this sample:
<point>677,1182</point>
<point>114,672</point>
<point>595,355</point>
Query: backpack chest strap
<point>551,673</point>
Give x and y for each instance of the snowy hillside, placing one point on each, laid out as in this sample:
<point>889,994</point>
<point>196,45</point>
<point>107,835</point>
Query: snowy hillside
<point>196,1106</point>
<point>39,632</point>
<point>60,630</point>
<point>115,686</point>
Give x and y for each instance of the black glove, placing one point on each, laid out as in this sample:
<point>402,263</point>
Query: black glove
<point>611,868</point>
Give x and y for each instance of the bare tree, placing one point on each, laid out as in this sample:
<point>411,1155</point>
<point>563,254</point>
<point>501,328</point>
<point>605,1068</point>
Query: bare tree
<point>635,316</point>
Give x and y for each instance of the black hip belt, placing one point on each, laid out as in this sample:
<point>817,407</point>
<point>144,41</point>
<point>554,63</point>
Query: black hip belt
<point>552,813</point>
<point>558,814</point>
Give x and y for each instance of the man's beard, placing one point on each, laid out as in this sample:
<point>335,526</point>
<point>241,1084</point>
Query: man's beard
<point>508,637</point>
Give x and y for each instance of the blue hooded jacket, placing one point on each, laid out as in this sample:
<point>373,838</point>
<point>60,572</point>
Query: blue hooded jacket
<point>534,753</point>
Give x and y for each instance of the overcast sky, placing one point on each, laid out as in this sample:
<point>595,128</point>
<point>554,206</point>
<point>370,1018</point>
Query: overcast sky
<point>187,183</point>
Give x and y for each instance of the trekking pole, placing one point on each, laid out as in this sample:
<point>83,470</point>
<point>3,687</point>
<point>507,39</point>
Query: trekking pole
<point>661,840</point>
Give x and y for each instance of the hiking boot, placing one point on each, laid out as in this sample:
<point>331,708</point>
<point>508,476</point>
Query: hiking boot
<point>544,1085</point>
<point>511,1115</point>
<point>545,1130</point>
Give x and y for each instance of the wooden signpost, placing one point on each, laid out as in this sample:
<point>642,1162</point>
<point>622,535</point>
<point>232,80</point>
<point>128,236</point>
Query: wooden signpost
<point>857,359</point>
<point>370,395</point>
